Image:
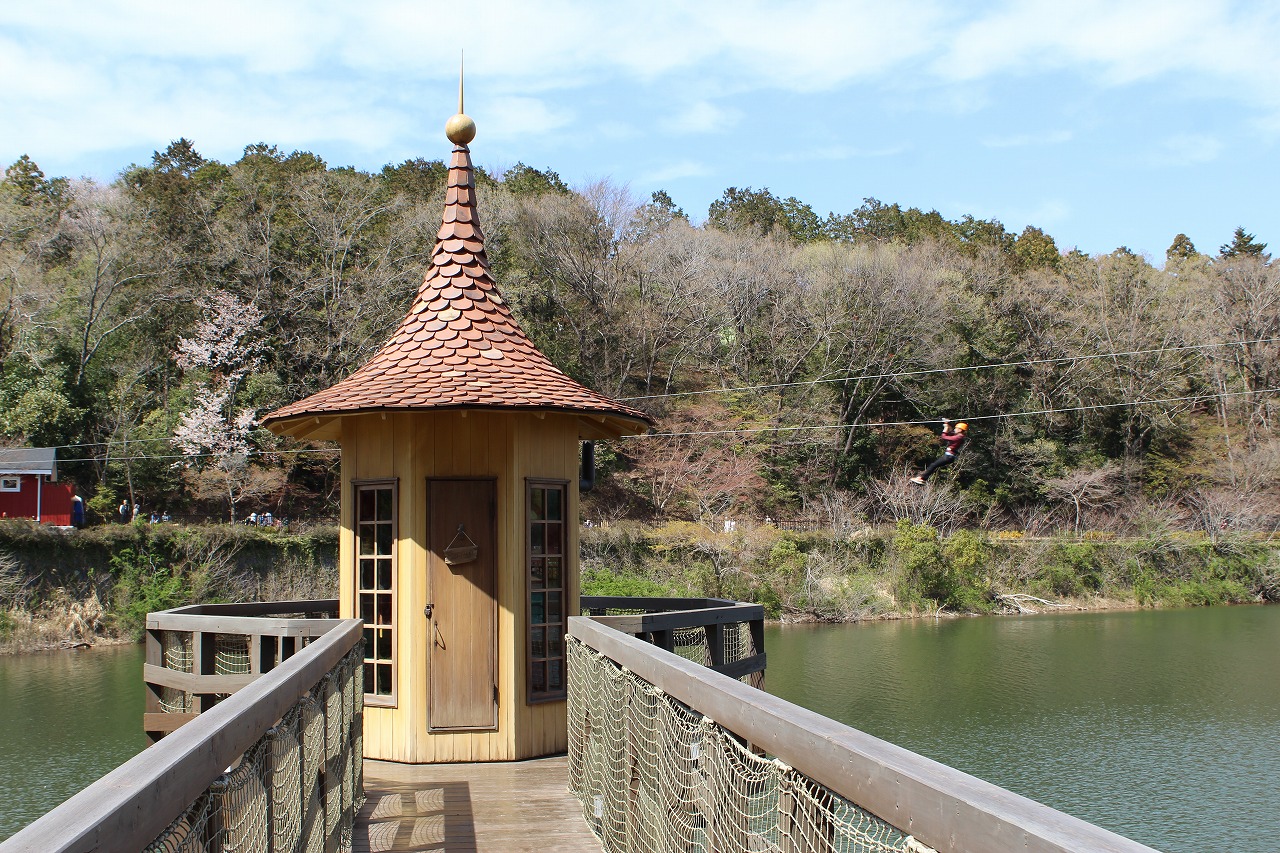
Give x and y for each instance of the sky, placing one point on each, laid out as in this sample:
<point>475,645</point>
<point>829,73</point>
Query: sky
<point>1105,123</point>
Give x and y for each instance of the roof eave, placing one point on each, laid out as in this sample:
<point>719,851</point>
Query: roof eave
<point>326,425</point>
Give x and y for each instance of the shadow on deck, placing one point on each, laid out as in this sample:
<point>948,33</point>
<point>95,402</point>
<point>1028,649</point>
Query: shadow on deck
<point>508,806</point>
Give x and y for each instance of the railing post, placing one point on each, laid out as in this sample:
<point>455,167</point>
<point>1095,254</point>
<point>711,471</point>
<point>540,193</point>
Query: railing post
<point>715,643</point>
<point>153,705</point>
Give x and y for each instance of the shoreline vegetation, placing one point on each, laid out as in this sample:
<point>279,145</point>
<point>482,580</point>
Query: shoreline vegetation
<point>68,588</point>
<point>64,589</point>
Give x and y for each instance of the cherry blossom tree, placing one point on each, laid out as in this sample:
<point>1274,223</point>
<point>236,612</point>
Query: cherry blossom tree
<point>217,436</point>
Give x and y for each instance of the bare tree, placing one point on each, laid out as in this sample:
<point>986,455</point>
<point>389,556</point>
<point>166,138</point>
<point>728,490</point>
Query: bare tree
<point>1087,487</point>
<point>116,272</point>
<point>940,506</point>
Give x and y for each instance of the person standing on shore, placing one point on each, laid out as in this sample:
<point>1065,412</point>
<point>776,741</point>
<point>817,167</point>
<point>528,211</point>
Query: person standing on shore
<point>952,440</point>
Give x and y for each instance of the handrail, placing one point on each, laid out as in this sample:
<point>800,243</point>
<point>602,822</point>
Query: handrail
<point>663,619</point>
<point>132,805</point>
<point>939,805</point>
<point>651,604</point>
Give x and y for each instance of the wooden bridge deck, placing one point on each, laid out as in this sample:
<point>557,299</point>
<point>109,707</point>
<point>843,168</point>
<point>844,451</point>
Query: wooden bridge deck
<point>508,806</point>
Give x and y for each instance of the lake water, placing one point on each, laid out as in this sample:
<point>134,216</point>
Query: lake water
<point>66,719</point>
<point>1158,725</point>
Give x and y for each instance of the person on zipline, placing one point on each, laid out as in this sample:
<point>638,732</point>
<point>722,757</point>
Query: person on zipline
<point>951,439</point>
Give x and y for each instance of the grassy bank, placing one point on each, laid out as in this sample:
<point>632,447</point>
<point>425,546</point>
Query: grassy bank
<point>911,569</point>
<point>60,587</point>
<point>66,586</point>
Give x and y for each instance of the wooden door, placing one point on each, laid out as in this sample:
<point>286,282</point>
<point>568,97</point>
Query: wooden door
<point>462,630</point>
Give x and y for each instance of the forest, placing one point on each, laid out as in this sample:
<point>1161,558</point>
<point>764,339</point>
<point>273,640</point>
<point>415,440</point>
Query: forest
<point>797,366</point>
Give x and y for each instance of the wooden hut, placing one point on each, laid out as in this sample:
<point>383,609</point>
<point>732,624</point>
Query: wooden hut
<point>459,542</point>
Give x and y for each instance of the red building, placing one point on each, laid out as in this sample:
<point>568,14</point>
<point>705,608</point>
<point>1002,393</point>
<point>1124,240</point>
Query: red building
<point>29,486</point>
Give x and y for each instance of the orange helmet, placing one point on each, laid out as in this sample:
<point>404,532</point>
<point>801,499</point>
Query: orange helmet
<point>962,427</point>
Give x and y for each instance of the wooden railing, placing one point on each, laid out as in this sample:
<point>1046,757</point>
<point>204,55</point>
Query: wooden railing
<point>293,732</point>
<point>823,770</point>
<point>708,631</point>
<point>198,655</point>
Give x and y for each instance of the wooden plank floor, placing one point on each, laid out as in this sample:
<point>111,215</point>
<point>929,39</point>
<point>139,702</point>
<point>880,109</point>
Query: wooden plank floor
<point>501,806</point>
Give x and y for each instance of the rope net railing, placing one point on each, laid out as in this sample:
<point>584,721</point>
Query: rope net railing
<point>297,789</point>
<point>176,652</point>
<point>653,775</point>
<point>705,645</point>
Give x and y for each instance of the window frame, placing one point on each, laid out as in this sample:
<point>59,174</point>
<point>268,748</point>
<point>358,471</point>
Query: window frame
<point>372,699</point>
<point>15,479</point>
<point>559,695</point>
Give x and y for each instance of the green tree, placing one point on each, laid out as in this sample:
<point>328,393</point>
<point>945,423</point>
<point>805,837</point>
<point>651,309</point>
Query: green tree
<point>1243,245</point>
<point>1181,249</point>
<point>525,181</point>
<point>1035,249</point>
<point>420,180</point>
<point>763,212</point>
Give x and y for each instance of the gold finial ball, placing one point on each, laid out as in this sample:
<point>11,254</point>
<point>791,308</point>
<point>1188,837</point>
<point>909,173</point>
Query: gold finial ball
<point>460,129</point>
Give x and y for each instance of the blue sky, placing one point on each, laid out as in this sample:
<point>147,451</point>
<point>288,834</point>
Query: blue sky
<point>1104,123</point>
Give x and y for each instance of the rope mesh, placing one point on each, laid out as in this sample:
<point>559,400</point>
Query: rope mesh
<point>175,648</point>
<point>653,775</point>
<point>296,790</point>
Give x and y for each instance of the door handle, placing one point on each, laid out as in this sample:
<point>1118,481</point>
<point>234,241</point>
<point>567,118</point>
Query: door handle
<point>428,610</point>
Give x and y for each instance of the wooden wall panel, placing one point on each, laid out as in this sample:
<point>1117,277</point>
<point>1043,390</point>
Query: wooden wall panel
<point>413,447</point>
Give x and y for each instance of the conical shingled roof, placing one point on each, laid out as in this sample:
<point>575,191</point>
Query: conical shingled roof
<point>459,347</point>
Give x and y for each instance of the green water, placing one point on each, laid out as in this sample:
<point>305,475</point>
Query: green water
<point>66,719</point>
<point>1158,725</point>
<point>1161,726</point>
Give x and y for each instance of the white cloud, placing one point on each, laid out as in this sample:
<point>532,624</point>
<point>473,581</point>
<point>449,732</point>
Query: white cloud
<point>702,117</point>
<point>1119,41</point>
<point>1184,150</point>
<point>1024,140</point>
<point>839,152</point>
<point>510,116</point>
<point>675,172</point>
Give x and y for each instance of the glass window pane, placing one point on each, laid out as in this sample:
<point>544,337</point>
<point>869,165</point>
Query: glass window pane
<point>555,642</point>
<point>538,572</point>
<point>537,538</point>
<point>538,643</point>
<point>368,640</point>
<point>384,505</point>
<point>554,533</point>
<point>385,537</point>
<point>537,605</point>
<point>538,676</point>
<point>368,674</point>
<point>553,607</point>
<point>553,573</point>
<point>366,609</point>
<point>537,504</point>
<point>554,681</point>
<point>384,610</point>
<point>384,574</point>
<point>366,505</point>
<point>366,539</point>
<point>384,679</point>
<point>555,506</point>
<point>384,644</point>
<point>366,574</point>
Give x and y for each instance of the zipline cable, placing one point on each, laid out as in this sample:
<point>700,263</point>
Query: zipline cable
<point>972,367</point>
<point>758,430</point>
<point>1098,406</point>
<point>791,384</point>
<point>205,455</point>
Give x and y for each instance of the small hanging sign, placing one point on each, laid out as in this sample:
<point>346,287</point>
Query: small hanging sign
<point>461,549</point>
